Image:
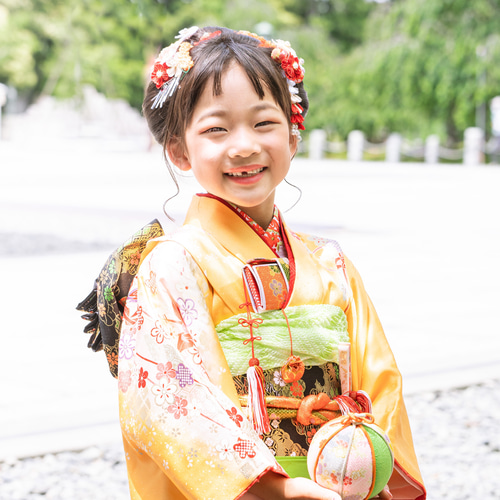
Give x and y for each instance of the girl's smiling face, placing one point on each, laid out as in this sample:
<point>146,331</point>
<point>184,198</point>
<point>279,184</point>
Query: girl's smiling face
<point>238,145</point>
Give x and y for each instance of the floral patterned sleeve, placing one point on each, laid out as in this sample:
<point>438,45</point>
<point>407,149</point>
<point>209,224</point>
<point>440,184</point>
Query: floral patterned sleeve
<point>173,403</point>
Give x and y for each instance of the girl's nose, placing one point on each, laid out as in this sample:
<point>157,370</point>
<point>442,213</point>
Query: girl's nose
<point>243,144</point>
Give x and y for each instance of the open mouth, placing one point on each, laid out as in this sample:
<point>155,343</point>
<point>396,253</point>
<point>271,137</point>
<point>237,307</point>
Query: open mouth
<point>246,174</point>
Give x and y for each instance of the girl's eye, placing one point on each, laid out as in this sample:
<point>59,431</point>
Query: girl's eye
<point>264,123</point>
<point>214,129</point>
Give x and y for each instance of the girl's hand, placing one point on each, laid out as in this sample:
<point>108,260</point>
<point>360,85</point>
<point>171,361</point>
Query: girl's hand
<point>274,486</point>
<point>385,494</point>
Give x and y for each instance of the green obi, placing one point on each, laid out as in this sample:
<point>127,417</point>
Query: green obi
<point>294,466</point>
<point>316,332</point>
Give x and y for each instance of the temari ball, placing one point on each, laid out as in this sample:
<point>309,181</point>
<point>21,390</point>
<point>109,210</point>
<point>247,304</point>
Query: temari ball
<point>351,456</point>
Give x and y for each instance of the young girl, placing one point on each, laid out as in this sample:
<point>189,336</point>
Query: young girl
<point>233,318</point>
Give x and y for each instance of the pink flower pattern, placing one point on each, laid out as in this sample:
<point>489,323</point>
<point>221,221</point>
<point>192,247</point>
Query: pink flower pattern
<point>158,333</point>
<point>165,370</point>
<point>124,380</point>
<point>235,416</point>
<point>178,408</point>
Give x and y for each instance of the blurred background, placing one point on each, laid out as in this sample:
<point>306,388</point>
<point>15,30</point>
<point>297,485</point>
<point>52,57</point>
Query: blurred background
<point>415,67</point>
<point>399,163</point>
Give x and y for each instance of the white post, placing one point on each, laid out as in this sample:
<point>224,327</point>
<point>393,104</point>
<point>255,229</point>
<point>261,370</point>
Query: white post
<point>317,144</point>
<point>431,154</point>
<point>393,148</point>
<point>3,99</point>
<point>355,145</point>
<point>473,146</point>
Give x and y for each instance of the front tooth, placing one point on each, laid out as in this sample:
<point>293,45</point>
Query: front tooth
<point>241,174</point>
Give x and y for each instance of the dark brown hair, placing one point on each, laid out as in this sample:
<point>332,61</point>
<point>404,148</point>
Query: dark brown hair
<point>211,59</point>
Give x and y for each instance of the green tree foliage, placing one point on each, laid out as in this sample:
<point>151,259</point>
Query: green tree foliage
<point>343,21</point>
<point>412,66</point>
<point>55,46</point>
<point>426,66</point>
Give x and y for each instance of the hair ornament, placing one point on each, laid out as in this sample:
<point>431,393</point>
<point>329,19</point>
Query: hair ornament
<point>293,70</point>
<point>171,65</point>
<point>175,61</point>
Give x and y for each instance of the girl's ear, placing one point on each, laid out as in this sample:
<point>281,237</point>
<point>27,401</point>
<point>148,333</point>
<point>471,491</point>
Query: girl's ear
<point>294,144</point>
<point>177,154</point>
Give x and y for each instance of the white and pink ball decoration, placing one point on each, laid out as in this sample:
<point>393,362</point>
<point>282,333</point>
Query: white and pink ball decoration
<point>351,456</point>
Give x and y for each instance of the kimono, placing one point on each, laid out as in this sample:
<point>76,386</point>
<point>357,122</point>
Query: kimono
<point>184,430</point>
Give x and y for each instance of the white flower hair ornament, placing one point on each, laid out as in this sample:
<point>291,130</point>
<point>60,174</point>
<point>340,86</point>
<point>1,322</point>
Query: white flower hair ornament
<point>171,65</point>
<point>174,62</point>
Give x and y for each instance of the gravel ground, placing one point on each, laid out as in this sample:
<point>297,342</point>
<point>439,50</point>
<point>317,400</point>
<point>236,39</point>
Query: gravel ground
<point>456,436</point>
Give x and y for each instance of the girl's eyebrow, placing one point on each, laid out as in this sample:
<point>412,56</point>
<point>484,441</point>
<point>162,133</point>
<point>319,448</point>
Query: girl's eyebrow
<point>218,112</point>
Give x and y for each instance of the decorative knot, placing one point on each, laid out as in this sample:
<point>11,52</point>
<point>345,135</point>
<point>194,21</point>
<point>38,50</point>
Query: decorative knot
<point>357,419</point>
<point>250,322</point>
<point>253,362</point>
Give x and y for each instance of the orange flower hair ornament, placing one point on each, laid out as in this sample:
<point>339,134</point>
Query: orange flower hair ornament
<point>175,61</point>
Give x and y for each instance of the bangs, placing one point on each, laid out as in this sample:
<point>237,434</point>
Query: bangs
<point>214,57</point>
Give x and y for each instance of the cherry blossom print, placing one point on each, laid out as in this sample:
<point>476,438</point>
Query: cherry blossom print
<point>135,258</point>
<point>188,310</point>
<point>235,416</point>
<point>278,379</point>
<point>164,392</point>
<point>296,389</point>
<point>112,358</point>
<point>196,356</point>
<point>276,287</point>
<point>127,346</point>
<point>245,448</point>
<point>184,375</point>
<point>101,310</point>
<point>225,451</point>
<point>158,332</point>
<point>143,375</point>
<point>310,435</point>
<point>178,408</point>
<point>151,282</point>
<point>165,370</point>
<point>124,380</point>
<point>108,293</point>
<point>195,408</point>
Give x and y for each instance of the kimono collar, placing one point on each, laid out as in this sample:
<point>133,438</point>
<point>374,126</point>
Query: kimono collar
<point>223,222</point>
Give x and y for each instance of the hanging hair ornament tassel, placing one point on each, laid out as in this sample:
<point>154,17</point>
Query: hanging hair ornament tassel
<point>257,410</point>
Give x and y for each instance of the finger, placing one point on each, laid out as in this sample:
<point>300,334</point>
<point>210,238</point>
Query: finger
<point>385,494</point>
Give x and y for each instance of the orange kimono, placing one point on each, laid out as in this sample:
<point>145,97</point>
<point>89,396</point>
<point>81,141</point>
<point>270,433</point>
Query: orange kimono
<point>185,434</point>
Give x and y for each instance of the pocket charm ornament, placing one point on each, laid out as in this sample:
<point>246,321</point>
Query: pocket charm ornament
<point>293,369</point>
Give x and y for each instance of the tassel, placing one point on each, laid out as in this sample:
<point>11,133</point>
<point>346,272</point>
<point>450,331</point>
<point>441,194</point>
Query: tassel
<point>257,410</point>
<point>346,404</point>
<point>354,402</point>
<point>363,400</point>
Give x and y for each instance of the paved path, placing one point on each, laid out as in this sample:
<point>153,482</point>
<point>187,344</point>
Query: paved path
<point>426,240</point>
